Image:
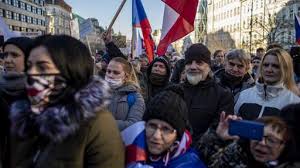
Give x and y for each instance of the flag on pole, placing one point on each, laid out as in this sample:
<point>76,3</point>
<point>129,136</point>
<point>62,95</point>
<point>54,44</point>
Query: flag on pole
<point>179,17</point>
<point>6,32</point>
<point>297,28</point>
<point>140,20</point>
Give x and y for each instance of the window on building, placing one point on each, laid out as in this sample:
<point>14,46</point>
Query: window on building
<point>298,11</point>
<point>23,6</point>
<point>8,14</point>
<point>10,27</point>
<point>1,12</point>
<point>16,3</point>
<point>16,16</point>
<point>29,19</point>
<point>28,7</point>
<point>23,29</point>
<point>34,9</point>
<point>8,2</point>
<point>23,18</point>
<point>34,21</point>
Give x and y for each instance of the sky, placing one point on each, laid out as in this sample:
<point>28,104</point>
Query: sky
<point>104,10</point>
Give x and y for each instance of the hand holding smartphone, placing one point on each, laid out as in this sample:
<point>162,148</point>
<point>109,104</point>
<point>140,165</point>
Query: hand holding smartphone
<point>246,129</point>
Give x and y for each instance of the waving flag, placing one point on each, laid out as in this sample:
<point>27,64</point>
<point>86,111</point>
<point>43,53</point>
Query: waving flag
<point>6,32</point>
<point>297,27</point>
<point>140,20</point>
<point>179,17</point>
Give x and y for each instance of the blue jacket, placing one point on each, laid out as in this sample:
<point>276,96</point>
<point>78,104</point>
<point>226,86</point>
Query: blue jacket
<point>189,159</point>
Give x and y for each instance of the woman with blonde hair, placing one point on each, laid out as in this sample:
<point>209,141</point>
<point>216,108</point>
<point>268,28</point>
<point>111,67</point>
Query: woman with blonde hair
<point>274,89</point>
<point>127,104</point>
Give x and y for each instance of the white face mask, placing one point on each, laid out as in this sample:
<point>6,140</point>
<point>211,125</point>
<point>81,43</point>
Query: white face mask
<point>114,83</point>
<point>194,79</point>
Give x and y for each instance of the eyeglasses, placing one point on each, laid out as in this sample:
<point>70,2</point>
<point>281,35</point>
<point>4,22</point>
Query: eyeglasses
<point>151,129</point>
<point>272,141</point>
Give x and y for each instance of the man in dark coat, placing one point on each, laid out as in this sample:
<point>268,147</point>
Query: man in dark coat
<point>158,75</point>
<point>204,97</point>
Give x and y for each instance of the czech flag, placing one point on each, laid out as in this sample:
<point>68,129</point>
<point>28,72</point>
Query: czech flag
<point>140,20</point>
<point>179,17</point>
<point>134,138</point>
<point>297,27</point>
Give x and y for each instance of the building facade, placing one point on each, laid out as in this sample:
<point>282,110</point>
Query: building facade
<point>250,24</point>
<point>58,17</point>
<point>24,15</point>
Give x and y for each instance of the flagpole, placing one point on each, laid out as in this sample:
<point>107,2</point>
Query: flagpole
<point>133,43</point>
<point>116,16</point>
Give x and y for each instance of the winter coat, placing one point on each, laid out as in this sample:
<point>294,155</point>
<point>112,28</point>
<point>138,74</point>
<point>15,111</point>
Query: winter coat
<point>234,88</point>
<point>81,134</point>
<point>182,156</point>
<point>176,73</point>
<point>12,88</point>
<point>120,108</point>
<point>205,102</point>
<point>264,100</point>
<point>228,154</point>
<point>189,159</point>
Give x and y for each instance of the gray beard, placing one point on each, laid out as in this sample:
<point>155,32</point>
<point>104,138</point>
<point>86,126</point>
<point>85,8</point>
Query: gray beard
<point>194,79</point>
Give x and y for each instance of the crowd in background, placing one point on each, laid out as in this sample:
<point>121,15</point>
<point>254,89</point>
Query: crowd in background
<point>60,107</point>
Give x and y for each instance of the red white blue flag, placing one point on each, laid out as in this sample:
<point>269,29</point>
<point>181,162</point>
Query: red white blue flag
<point>140,20</point>
<point>179,17</point>
<point>297,27</point>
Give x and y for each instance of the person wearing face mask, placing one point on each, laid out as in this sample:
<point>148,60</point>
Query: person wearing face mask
<point>274,89</point>
<point>235,77</point>
<point>275,150</point>
<point>64,121</point>
<point>127,104</point>
<point>205,98</point>
<point>12,87</point>
<point>158,75</point>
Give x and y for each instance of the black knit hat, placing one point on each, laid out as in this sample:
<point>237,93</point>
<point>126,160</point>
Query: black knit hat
<point>23,43</point>
<point>197,52</point>
<point>169,106</point>
<point>165,61</point>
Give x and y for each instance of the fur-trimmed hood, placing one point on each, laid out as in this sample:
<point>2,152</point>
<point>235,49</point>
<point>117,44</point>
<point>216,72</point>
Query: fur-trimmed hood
<point>58,122</point>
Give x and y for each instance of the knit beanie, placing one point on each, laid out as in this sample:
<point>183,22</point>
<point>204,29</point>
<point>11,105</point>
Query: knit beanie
<point>197,52</point>
<point>23,43</point>
<point>169,106</point>
<point>162,59</point>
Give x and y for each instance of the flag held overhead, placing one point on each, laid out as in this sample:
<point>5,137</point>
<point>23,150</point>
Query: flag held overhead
<point>179,17</point>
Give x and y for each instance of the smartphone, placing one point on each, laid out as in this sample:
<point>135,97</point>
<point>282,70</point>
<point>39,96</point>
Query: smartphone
<point>246,129</point>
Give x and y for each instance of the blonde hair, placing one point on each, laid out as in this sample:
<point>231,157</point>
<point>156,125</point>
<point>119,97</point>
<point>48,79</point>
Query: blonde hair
<point>129,71</point>
<point>286,68</point>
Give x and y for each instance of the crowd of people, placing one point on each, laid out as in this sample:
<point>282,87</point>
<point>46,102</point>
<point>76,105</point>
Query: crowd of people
<point>60,107</point>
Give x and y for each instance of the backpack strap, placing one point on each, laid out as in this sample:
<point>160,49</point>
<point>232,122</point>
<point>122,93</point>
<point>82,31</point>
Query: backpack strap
<point>131,99</point>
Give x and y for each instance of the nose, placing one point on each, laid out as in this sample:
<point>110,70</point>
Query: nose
<point>193,65</point>
<point>32,70</point>
<point>8,58</point>
<point>157,134</point>
<point>262,142</point>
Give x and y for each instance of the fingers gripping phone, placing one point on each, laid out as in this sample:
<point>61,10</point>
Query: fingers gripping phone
<point>246,129</point>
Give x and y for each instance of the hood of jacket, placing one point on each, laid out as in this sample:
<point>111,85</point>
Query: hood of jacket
<point>60,121</point>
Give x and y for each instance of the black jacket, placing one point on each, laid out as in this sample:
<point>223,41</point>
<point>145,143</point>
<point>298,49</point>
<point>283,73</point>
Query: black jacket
<point>205,102</point>
<point>113,51</point>
<point>235,87</point>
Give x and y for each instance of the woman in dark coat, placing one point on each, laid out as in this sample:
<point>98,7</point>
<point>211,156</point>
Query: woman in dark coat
<point>65,122</point>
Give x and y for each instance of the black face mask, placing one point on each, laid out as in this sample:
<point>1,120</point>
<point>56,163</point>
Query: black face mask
<point>233,79</point>
<point>157,79</point>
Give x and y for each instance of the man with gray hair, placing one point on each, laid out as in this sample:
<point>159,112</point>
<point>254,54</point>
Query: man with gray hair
<point>204,97</point>
<point>235,76</point>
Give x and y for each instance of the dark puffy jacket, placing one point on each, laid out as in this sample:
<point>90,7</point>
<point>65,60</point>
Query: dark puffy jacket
<point>186,160</point>
<point>205,102</point>
<point>234,87</point>
<point>178,69</point>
